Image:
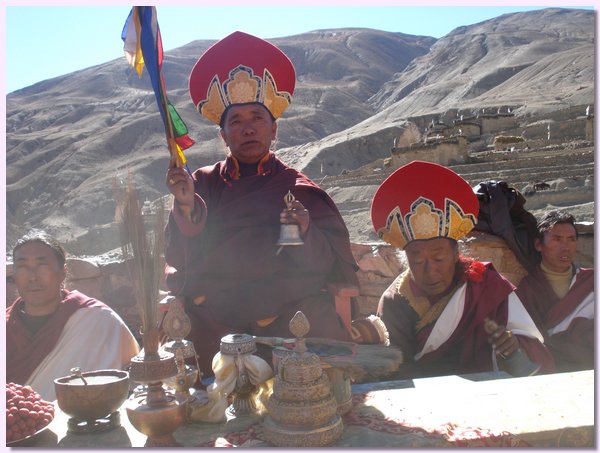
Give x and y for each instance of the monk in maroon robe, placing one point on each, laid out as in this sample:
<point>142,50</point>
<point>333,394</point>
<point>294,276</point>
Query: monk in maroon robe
<point>466,348</point>
<point>560,295</point>
<point>50,330</point>
<point>447,313</point>
<point>227,266</point>
<point>222,234</point>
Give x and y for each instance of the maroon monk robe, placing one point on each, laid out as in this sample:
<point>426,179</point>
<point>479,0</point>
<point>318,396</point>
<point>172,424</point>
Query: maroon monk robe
<point>230,256</point>
<point>573,348</point>
<point>467,350</point>
<point>25,351</point>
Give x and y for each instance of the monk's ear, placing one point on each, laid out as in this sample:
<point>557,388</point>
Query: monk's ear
<point>456,252</point>
<point>537,243</point>
<point>222,134</point>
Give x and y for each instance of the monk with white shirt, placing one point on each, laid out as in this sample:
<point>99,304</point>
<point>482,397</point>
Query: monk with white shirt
<point>560,295</point>
<point>50,330</point>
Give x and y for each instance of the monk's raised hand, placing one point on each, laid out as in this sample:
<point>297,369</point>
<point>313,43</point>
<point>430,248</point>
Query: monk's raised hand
<point>181,185</point>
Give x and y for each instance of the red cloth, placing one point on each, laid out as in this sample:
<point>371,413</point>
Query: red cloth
<point>467,350</point>
<point>230,257</point>
<point>366,420</point>
<point>574,347</point>
<point>24,351</point>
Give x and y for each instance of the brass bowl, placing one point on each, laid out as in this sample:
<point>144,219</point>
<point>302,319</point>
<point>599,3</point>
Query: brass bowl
<point>103,394</point>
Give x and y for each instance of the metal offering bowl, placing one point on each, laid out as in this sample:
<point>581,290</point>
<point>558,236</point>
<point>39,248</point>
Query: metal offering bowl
<point>158,421</point>
<point>102,393</point>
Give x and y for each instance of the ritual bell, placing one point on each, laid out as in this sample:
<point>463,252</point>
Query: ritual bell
<point>289,234</point>
<point>517,364</point>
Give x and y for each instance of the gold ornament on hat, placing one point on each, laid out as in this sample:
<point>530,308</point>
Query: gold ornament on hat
<point>425,221</point>
<point>243,86</point>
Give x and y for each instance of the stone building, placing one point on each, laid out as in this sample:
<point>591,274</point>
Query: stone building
<point>469,127</point>
<point>444,151</point>
<point>491,123</point>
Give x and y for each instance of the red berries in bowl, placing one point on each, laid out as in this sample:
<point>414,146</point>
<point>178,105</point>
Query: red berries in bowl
<point>26,412</point>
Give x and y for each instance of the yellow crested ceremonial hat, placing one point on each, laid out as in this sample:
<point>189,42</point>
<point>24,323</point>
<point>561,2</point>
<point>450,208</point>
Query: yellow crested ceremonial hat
<point>423,200</point>
<point>240,69</point>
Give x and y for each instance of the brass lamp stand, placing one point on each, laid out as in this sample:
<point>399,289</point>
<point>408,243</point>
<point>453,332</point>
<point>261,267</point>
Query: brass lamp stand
<point>155,413</point>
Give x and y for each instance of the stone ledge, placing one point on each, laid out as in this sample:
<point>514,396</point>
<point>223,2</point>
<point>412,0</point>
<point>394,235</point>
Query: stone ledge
<point>379,265</point>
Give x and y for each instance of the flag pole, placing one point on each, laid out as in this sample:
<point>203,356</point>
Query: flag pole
<point>146,40</point>
<point>171,143</point>
<point>170,135</point>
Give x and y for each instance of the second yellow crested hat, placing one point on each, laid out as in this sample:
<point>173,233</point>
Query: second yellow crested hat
<point>423,200</point>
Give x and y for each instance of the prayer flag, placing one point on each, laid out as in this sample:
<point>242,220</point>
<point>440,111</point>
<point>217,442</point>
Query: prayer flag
<point>143,47</point>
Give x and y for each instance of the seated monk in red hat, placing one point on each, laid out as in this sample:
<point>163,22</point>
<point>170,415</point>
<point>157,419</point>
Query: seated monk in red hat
<point>223,229</point>
<point>437,310</point>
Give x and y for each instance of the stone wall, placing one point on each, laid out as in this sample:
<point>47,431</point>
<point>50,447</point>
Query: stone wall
<point>492,123</point>
<point>560,131</point>
<point>469,129</point>
<point>107,278</point>
<point>444,151</point>
<point>589,128</point>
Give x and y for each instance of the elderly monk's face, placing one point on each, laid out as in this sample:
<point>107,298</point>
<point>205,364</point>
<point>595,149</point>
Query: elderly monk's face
<point>39,277</point>
<point>558,247</point>
<point>248,131</point>
<point>432,264</point>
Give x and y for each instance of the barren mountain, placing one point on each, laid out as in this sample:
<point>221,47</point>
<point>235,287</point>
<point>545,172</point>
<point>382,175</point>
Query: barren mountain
<point>71,138</point>
<point>534,62</point>
<point>542,58</point>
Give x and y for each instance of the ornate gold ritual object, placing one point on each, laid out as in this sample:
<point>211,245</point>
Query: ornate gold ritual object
<point>302,409</point>
<point>177,326</point>
<point>243,397</point>
<point>155,412</point>
<point>289,234</point>
<point>340,380</point>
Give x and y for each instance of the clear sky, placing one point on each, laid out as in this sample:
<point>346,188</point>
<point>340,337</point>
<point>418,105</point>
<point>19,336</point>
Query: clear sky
<point>44,41</point>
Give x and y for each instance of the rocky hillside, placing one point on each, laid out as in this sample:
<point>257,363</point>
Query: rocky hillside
<point>567,168</point>
<point>541,59</point>
<point>71,139</point>
<point>535,62</point>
